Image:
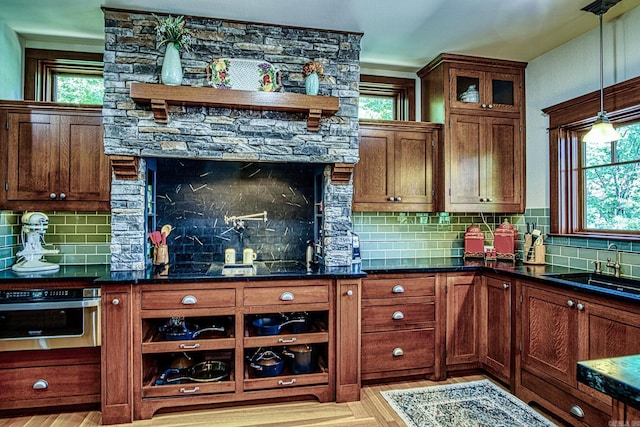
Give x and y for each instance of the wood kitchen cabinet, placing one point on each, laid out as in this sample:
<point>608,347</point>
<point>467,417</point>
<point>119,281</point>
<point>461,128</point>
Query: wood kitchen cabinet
<point>462,338</point>
<point>495,326</point>
<point>399,327</point>
<point>232,307</point>
<point>397,168</point>
<point>559,328</point>
<point>54,158</point>
<point>483,152</point>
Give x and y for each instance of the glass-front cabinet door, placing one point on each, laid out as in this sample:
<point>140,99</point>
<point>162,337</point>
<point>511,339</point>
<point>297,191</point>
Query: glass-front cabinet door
<point>471,89</point>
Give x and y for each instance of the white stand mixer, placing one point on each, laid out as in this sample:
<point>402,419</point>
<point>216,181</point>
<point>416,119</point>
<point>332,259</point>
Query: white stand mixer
<point>30,258</point>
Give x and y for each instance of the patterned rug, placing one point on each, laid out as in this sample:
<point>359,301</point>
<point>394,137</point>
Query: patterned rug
<point>471,404</point>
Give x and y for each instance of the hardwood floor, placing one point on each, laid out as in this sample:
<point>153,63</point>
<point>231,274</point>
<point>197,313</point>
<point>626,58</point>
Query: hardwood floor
<point>372,410</point>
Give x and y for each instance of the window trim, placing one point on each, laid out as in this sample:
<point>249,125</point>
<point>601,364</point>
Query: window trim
<point>567,121</point>
<point>41,65</point>
<point>402,90</point>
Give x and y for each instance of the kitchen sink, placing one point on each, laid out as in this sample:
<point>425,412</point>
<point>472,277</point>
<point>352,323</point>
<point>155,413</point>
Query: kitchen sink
<point>620,284</point>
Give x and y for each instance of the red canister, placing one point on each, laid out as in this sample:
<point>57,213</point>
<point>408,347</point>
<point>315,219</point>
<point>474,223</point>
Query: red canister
<point>473,242</point>
<point>505,238</point>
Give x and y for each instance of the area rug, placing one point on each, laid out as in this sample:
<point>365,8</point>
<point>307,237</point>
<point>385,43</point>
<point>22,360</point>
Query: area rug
<point>472,404</point>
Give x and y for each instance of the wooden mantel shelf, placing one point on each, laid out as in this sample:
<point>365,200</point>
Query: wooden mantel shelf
<point>161,96</point>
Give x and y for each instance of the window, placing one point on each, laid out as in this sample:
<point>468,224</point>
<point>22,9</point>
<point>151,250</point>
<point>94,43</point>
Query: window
<point>595,188</point>
<point>65,77</point>
<point>386,98</point>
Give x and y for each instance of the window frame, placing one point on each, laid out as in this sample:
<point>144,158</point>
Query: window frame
<point>568,121</point>
<point>41,65</point>
<point>401,90</point>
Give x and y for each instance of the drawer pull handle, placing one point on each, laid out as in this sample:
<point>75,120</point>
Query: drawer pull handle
<point>41,385</point>
<point>185,346</point>
<point>398,289</point>
<point>289,340</point>
<point>189,300</point>
<point>397,352</point>
<point>398,315</point>
<point>190,390</point>
<point>286,296</point>
<point>293,381</point>
<point>577,411</point>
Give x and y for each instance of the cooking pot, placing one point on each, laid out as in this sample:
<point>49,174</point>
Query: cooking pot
<point>209,371</point>
<point>271,325</point>
<point>302,322</point>
<point>266,363</point>
<point>300,358</point>
<point>177,329</point>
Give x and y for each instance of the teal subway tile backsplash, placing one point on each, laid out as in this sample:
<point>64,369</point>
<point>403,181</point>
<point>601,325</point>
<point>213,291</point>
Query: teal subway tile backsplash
<point>393,236</point>
<point>81,237</point>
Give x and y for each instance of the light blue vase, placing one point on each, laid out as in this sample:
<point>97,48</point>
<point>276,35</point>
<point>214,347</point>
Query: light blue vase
<point>312,84</point>
<point>172,66</point>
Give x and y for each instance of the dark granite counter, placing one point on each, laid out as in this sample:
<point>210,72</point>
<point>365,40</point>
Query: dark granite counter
<point>618,377</point>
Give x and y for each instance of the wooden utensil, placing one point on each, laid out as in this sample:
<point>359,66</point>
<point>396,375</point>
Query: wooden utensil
<point>165,231</point>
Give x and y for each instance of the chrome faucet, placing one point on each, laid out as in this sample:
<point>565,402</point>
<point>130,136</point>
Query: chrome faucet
<point>616,265</point>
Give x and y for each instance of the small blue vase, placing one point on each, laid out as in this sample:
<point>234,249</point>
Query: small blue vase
<point>312,84</point>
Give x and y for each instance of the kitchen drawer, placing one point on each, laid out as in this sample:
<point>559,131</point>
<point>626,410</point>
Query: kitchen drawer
<point>397,315</point>
<point>564,401</point>
<point>188,299</point>
<point>278,295</point>
<point>398,288</point>
<point>413,349</point>
<point>55,382</point>
<point>286,381</point>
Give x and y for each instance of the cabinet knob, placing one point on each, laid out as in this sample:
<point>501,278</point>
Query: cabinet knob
<point>580,306</point>
<point>40,385</point>
<point>505,286</point>
<point>349,292</point>
<point>189,300</point>
<point>53,195</point>
<point>115,301</point>
<point>397,352</point>
<point>398,315</point>
<point>577,411</point>
<point>399,199</point>
<point>490,106</point>
<point>287,296</point>
<point>392,199</point>
<point>484,105</point>
<point>398,289</point>
<point>63,196</point>
<point>570,303</point>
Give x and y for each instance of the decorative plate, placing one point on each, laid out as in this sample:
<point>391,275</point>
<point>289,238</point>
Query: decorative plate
<point>243,74</point>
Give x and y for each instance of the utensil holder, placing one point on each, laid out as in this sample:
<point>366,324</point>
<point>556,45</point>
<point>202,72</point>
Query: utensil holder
<point>538,253</point>
<point>161,255</point>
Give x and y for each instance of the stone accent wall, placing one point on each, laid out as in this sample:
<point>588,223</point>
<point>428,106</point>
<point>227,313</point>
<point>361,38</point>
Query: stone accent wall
<point>131,55</point>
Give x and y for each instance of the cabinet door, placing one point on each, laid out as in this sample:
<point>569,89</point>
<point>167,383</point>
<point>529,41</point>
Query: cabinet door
<point>117,355</point>
<point>549,335</point>
<point>84,168</point>
<point>462,320</point>
<point>462,82</point>
<point>414,169</point>
<point>503,92</point>
<point>501,173</point>
<point>495,348</point>
<point>33,156</point>
<point>464,160</point>
<point>347,357</point>
<point>374,180</point>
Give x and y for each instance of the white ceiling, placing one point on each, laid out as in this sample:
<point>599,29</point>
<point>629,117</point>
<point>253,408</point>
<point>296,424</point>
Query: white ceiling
<point>400,34</point>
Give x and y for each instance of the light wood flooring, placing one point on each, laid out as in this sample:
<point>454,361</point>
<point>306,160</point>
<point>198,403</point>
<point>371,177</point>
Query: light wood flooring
<point>372,410</point>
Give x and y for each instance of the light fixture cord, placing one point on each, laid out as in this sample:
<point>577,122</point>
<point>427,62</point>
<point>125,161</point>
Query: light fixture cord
<point>601,69</point>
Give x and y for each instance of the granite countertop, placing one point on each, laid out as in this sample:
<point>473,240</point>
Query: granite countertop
<point>618,377</point>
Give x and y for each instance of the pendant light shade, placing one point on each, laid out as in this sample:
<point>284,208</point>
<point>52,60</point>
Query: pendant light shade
<point>602,129</point>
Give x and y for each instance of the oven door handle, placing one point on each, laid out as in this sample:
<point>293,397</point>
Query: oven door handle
<point>55,305</point>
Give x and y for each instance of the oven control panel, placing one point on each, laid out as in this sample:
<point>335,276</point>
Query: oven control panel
<point>39,295</point>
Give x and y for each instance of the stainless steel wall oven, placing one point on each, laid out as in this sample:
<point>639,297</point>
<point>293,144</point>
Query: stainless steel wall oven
<point>38,319</point>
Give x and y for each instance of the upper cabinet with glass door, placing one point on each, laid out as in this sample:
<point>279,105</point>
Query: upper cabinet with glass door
<point>485,90</point>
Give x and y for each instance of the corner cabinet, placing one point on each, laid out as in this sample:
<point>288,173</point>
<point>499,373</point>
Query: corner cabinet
<point>480,101</point>
<point>496,326</point>
<point>463,302</point>
<point>397,167</point>
<point>53,158</point>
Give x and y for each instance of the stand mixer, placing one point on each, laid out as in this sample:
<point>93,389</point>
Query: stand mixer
<point>30,258</point>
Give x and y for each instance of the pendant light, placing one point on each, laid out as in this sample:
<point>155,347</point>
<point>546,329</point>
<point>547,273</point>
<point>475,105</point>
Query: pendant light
<point>602,129</point>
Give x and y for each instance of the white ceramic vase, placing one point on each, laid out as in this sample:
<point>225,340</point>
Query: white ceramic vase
<point>312,84</point>
<point>171,66</point>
